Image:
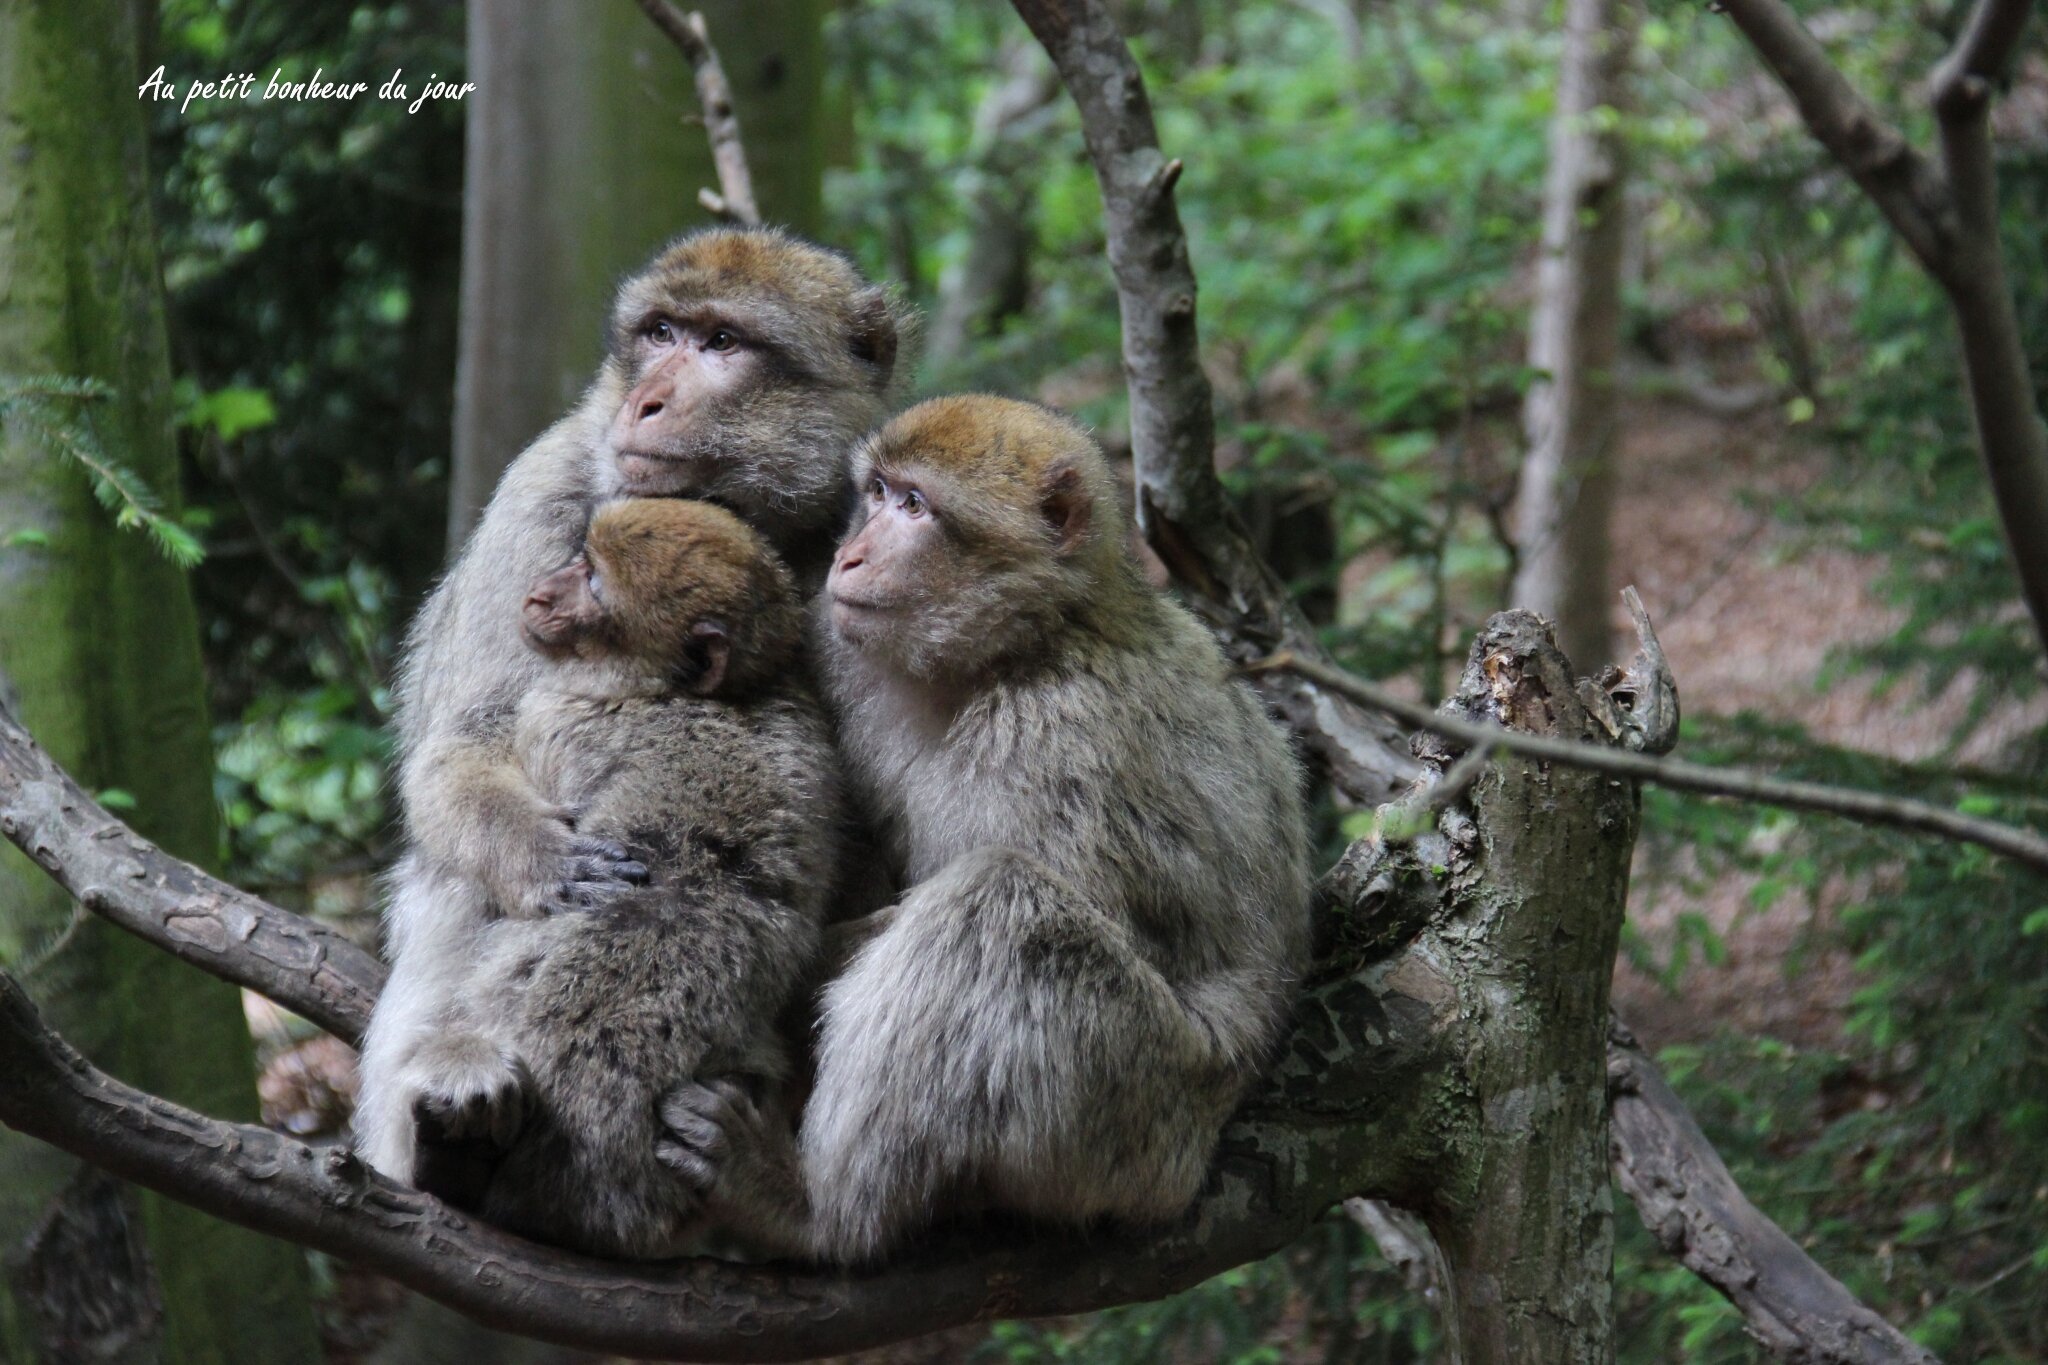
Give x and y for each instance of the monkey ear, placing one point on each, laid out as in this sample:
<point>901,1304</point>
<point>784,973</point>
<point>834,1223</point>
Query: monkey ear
<point>1067,505</point>
<point>874,333</point>
<point>712,647</point>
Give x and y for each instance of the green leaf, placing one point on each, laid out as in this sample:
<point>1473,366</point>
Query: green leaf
<point>114,798</point>
<point>232,411</point>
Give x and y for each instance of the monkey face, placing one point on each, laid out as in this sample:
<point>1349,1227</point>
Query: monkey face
<point>749,362</point>
<point>669,592</point>
<point>975,537</point>
<point>562,607</point>
<point>687,368</point>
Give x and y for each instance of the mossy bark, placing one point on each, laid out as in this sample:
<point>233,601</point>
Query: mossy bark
<point>1536,885</point>
<point>585,152</point>
<point>100,643</point>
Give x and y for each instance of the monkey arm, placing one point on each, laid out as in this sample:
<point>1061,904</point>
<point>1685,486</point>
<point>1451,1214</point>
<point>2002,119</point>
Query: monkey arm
<point>475,816</point>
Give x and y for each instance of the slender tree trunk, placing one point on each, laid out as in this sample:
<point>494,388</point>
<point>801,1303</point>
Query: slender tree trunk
<point>1568,477</point>
<point>99,639</point>
<point>585,152</point>
<point>991,281</point>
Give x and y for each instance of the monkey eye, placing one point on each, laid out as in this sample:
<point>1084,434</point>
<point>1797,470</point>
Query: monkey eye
<point>661,333</point>
<point>721,340</point>
<point>877,490</point>
<point>914,503</point>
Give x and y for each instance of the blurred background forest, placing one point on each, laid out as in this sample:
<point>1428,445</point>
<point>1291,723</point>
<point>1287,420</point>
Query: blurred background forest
<point>1860,1020</point>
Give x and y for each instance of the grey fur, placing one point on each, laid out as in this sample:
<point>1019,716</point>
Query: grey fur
<point>1103,835</point>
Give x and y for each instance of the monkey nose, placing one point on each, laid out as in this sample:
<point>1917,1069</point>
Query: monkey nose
<point>650,407</point>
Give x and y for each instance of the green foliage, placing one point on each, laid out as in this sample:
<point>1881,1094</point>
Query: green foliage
<point>35,404</point>
<point>310,253</point>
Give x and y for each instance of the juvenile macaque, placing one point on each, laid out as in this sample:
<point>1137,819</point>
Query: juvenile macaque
<point>672,715</point>
<point>1103,837</point>
<point>742,365</point>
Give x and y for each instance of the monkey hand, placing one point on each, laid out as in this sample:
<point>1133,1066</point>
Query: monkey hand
<point>589,874</point>
<point>706,1125</point>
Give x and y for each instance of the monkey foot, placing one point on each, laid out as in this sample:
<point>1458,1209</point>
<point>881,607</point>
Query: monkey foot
<point>699,1122</point>
<point>464,1122</point>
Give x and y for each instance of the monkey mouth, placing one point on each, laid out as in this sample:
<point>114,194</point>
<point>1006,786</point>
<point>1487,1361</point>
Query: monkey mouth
<point>653,473</point>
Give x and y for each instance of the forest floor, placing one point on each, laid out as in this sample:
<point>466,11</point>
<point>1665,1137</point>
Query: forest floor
<point>1749,608</point>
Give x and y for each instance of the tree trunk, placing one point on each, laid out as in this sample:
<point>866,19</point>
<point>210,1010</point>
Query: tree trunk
<point>991,281</point>
<point>98,636</point>
<point>585,152</point>
<point>1567,485</point>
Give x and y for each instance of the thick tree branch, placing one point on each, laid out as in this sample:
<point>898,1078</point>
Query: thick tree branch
<point>1898,179</point>
<point>734,197</point>
<point>1282,1164</point>
<point>118,874</point>
<point>1687,1199</point>
<point>1872,808</point>
<point>1949,218</point>
<point>1181,507</point>
<point>1353,1108</point>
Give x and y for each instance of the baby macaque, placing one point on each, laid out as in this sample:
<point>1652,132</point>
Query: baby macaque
<point>672,722</point>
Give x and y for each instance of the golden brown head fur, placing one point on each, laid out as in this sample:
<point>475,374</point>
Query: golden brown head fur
<point>668,567</point>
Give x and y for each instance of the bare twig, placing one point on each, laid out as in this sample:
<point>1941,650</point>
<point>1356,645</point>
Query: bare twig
<point>734,197</point>
<point>1872,808</point>
<point>1948,216</point>
<point>1181,507</point>
<point>1693,1207</point>
<point>118,874</point>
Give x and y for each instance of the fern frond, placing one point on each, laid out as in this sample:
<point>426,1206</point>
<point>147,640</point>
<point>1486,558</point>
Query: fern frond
<point>31,386</point>
<point>119,489</point>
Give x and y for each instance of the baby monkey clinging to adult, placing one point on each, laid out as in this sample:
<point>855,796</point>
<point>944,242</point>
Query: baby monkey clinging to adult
<point>672,718</point>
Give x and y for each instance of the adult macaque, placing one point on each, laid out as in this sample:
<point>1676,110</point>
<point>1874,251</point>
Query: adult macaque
<point>1103,837</point>
<point>742,366</point>
<point>674,715</point>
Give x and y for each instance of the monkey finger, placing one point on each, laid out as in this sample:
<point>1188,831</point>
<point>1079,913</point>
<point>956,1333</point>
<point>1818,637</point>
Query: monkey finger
<point>692,1114</point>
<point>697,1173</point>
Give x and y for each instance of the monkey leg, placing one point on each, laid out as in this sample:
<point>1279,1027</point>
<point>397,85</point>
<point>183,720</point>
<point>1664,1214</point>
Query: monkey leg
<point>469,1099</point>
<point>440,1094</point>
<point>433,926</point>
<point>1003,1040</point>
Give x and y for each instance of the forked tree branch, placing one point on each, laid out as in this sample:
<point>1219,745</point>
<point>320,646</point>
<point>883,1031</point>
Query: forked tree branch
<point>1327,1127</point>
<point>1948,216</point>
<point>1280,1167</point>
<point>1181,507</point>
<point>734,197</point>
<point>1696,1211</point>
